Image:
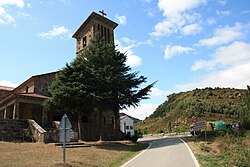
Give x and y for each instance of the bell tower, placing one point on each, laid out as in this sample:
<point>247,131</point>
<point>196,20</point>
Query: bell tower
<point>95,23</point>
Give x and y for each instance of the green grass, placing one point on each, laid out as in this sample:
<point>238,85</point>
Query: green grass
<point>128,155</point>
<point>233,151</point>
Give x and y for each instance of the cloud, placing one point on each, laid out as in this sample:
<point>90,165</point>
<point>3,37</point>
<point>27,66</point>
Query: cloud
<point>146,1</point>
<point>211,21</point>
<point>245,12</point>
<point>229,67</point>
<point>233,77</point>
<point>157,92</point>
<point>126,45</point>
<point>232,55</point>
<point>121,19</point>
<point>191,29</point>
<point>142,111</point>
<point>177,14</point>
<point>132,59</point>
<point>7,83</point>
<point>223,13</point>
<point>5,16</point>
<point>222,2</point>
<point>56,31</point>
<point>172,50</point>
<point>224,35</point>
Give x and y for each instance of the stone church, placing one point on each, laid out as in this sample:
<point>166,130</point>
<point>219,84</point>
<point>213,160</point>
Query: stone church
<point>26,100</point>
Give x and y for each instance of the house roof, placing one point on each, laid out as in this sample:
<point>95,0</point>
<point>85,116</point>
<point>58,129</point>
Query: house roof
<point>6,88</point>
<point>97,17</point>
<point>31,78</point>
<point>122,117</point>
<point>33,95</point>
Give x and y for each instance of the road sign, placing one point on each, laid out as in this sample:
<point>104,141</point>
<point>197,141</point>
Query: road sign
<point>200,125</point>
<point>64,127</point>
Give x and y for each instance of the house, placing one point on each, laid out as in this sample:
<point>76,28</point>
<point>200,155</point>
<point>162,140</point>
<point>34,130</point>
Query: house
<point>27,100</point>
<point>127,125</point>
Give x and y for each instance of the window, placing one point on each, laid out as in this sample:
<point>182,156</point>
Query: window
<point>27,89</point>
<point>131,127</point>
<point>127,127</point>
<point>84,41</point>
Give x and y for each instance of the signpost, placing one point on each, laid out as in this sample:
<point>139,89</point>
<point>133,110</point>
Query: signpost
<point>64,127</point>
<point>201,125</point>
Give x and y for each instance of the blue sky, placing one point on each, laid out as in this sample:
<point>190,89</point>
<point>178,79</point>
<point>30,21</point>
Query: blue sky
<point>182,44</point>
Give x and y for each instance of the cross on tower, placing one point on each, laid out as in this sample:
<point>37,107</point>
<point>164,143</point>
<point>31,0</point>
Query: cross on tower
<point>103,13</point>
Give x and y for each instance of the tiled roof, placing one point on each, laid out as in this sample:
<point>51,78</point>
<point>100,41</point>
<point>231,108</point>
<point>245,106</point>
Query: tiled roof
<point>33,95</point>
<point>6,88</point>
<point>122,117</point>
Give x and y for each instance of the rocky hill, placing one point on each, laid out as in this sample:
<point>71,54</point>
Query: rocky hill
<point>207,104</point>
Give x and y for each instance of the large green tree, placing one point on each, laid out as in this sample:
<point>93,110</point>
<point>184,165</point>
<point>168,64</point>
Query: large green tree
<point>98,80</point>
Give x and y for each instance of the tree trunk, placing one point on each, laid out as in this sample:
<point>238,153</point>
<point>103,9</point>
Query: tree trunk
<point>101,125</point>
<point>79,123</point>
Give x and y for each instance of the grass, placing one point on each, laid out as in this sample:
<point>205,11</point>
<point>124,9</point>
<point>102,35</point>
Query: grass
<point>223,150</point>
<point>101,154</point>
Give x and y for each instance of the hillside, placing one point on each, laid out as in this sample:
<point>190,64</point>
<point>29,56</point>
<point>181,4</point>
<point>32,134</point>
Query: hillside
<point>207,104</point>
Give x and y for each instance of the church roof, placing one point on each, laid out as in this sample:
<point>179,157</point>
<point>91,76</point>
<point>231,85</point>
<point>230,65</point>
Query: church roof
<point>96,17</point>
<point>6,88</point>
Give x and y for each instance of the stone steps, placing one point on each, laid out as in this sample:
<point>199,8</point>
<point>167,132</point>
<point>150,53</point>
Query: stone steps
<point>72,145</point>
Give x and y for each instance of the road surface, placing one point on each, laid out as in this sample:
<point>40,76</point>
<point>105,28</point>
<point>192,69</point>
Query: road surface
<point>164,152</point>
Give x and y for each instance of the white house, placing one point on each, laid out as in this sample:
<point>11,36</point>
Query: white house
<point>127,125</point>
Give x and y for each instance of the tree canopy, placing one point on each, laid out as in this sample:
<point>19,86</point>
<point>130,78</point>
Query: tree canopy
<point>98,77</point>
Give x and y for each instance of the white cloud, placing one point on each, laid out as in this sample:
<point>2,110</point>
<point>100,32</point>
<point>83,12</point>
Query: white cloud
<point>146,1</point>
<point>126,45</point>
<point>224,35</point>
<point>232,55</point>
<point>56,31</point>
<point>142,111</point>
<point>245,12</point>
<point>223,13</point>
<point>18,3</point>
<point>157,92</point>
<point>172,50</point>
<point>121,19</point>
<point>211,21</point>
<point>7,83</point>
<point>191,29</point>
<point>222,2</point>
<point>5,16</point>
<point>177,13</point>
<point>229,68</point>
<point>234,77</point>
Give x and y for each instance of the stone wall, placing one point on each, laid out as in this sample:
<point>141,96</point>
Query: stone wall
<point>4,94</point>
<point>20,130</point>
<point>42,82</point>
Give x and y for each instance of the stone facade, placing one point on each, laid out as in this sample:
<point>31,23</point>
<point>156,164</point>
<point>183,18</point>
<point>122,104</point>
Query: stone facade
<point>26,101</point>
<point>20,130</point>
<point>94,24</point>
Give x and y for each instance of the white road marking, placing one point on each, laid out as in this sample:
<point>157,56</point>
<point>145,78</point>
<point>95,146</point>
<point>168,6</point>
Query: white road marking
<point>136,156</point>
<point>191,153</point>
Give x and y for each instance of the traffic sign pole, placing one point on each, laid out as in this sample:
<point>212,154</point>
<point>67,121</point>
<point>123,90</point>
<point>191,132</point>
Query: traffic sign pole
<point>64,143</point>
<point>64,126</point>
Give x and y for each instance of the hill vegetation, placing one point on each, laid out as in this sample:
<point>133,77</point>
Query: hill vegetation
<point>175,114</point>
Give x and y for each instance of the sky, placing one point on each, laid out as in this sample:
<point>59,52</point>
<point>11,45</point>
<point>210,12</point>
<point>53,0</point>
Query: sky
<point>181,44</point>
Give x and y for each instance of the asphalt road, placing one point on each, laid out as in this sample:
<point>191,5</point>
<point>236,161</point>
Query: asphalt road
<point>164,152</point>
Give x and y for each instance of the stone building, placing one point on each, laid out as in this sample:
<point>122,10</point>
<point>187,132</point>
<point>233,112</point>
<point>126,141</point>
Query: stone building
<point>27,100</point>
<point>94,24</point>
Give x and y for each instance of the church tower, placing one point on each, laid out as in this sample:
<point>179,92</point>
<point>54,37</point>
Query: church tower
<point>95,23</point>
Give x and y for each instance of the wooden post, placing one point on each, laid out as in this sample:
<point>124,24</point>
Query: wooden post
<point>45,116</point>
<point>16,110</point>
<point>5,113</point>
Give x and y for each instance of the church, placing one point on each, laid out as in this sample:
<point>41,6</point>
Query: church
<point>26,101</point>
